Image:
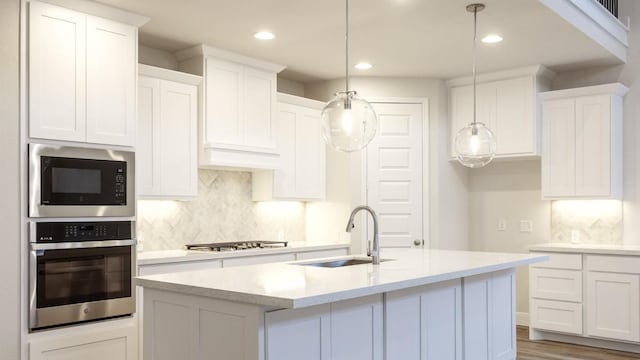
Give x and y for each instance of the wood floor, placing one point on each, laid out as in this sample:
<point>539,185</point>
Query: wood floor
<point>550,350</point>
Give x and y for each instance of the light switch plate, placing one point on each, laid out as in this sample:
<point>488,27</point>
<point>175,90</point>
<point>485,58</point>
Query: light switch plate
<point>526,226</point>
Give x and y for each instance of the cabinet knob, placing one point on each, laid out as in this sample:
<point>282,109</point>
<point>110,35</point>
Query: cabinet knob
<point>417,242</point>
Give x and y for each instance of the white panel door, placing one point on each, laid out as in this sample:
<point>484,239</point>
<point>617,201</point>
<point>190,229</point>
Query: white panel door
<point>178,129</point>
<point>148,142</point>
<point>514,124</point>
<point>224,91</point>
<point>558,148</point>
<point>111,79</point>
<point>593,145</point>
<point>284,179</point>
<point>394,174</point>
<point>259,108</point>
<point>357,329</point>
<point>612,305</point>
<point>56,73</point>
<point>310,155</point>
<point>299,334</point>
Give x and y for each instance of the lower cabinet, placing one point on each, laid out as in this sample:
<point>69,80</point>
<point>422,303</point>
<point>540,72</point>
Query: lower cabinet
<point>261,259</point>
<point>345,330</point>
<point>436,333</point>
<point>489,299</point>
<point>113,344</point>
<point>613,306</point>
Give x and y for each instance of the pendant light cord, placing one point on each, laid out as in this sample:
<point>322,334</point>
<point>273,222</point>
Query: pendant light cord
<point>475,15</point>
<point>346,41</point>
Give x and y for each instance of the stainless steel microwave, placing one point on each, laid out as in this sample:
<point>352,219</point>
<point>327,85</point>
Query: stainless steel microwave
<point>80,182</point>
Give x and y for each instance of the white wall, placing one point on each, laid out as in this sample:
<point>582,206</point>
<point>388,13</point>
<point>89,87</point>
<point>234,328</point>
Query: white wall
<point>155,57</point>
<point>448,181</point>
<point>9,181</point>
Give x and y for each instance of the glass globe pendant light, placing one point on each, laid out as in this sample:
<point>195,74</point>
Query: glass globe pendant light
<point>475,145</point>
<point>349,122</point>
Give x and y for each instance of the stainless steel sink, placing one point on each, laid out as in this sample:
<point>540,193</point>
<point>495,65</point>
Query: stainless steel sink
<point>341,262</point>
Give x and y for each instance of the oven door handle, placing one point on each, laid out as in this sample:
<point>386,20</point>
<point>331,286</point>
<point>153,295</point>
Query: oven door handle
<point>82,244</point>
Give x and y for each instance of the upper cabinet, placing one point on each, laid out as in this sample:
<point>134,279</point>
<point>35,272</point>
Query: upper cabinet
<point>302,175</point>
<point>82,76</point>
<point>166,152</point>
<point>237,128</point>
<point>507,103</point>
<point>582,142</point>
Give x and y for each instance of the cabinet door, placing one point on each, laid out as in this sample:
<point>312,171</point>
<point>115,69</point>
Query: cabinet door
<point>260,109</point>
<point>490,299</point>
<point>111,78</point>
<point>178,128</point>
<point>310,155</point>
<point>558,148</point>
<point>223,107</point>
<point>284,179</point>
<point>515,123</point>
<point>461,109</point>
<point>424,322</point>
<point>56,73</point>
<point>593,145</point>
<point>357,329</point>
<point>296,334</point>
<point>148,143</point>
<point>612,306</point>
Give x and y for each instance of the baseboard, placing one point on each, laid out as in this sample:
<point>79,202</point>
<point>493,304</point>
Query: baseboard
<point>522,319</point>
<point>585,341</point>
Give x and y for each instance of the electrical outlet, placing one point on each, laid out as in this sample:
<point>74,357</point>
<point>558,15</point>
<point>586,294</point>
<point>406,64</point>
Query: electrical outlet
<point>526,226</point>
<point>502,225</point>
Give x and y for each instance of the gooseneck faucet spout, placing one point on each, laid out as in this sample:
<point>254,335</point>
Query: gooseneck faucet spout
<point>374,251</point>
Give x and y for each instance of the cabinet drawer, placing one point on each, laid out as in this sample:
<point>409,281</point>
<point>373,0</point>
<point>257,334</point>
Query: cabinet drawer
<point>556,316</point>
<point>618,264</point>
<point>155,269</point>
<point>263,259</point>
<point>560,261</point>
<point>556,284</point>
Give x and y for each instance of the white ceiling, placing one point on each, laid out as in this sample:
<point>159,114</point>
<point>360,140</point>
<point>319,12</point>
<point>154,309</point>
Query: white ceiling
<point>406,38</point>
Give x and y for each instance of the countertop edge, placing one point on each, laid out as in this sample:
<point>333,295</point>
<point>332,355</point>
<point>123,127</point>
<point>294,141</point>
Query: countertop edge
<point>302,302</point>
<point>586,249</point>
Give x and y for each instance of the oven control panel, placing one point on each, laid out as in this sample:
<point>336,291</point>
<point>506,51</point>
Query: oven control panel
<point>81,231</point>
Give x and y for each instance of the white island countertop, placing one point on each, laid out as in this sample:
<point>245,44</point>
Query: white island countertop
<point>603,249</point>
<point>291,285</point>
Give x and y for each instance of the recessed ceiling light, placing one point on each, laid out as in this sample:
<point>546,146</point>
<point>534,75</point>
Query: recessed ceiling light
<point>363,66</point>
<point>492,39</point>
<point>264,35</point>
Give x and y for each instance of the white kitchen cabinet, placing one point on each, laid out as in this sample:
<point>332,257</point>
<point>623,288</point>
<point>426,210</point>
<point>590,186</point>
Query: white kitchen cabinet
<point>490,299</point>
<point>238,111</point>
<point>82,74</point>
<point>507,103</point>
<point>582,142</point>
<point>302,175</point>
<point>436,333</point>
<point>167,144</point>
<point>109,344</point>
<point>560,316</point>
<point>345,330</point>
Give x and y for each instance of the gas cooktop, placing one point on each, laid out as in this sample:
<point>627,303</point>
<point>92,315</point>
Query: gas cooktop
<point>236,245</point>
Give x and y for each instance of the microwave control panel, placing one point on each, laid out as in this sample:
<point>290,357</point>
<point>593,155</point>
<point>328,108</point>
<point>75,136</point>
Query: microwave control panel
<point>82,231</point>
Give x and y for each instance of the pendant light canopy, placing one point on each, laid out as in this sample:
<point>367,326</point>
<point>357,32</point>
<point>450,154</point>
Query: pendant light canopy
<point>475,145</point>
<point>349,122</point>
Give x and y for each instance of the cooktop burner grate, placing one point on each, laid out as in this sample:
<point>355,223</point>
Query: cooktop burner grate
<point>236,245</point>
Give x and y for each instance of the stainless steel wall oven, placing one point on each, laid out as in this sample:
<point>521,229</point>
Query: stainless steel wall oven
<point>80,271</point>
<point>80,182</point>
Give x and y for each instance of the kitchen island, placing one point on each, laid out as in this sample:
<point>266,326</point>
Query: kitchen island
<point>431,304</point>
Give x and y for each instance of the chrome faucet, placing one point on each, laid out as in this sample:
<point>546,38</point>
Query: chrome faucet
<point>375,251</point>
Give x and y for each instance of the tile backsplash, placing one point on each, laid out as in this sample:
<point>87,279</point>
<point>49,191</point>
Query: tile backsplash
<point>223,211</point>
<point>596,221</point>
